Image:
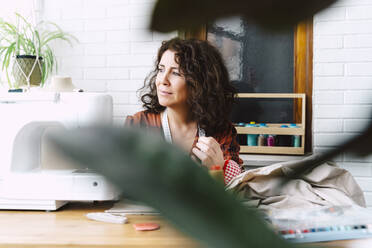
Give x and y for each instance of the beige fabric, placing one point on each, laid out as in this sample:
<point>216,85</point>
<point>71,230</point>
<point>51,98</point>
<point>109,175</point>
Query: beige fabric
<point>326,185</point>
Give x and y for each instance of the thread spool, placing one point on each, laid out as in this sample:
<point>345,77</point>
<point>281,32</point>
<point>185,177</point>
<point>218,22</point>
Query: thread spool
<point>270,140</point>
<point>61,84</point>
<point>262,137</point>
<point>261,140</point>
<point>251,138</point>
<point>296,140</point>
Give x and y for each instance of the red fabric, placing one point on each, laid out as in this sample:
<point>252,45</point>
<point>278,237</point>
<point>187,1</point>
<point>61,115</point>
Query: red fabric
<point>225,164</point>
<point>230,170</point>
<point>227,141</point>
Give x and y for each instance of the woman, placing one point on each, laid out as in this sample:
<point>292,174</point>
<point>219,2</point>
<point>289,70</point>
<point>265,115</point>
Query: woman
<point>188,97</point>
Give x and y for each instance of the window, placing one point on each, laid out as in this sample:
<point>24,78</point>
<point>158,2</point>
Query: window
<point>295,44</point>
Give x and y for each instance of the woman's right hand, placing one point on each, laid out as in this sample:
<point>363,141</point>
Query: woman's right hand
<point>209,152</point>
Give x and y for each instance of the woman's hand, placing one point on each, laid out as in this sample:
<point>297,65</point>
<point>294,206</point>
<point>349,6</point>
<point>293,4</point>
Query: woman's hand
<point>209,152</point>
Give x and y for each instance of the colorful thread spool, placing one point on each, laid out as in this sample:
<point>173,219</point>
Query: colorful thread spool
<point>251,138</point>
<point>270,140</point>
<point>296,141</point>
<point>261,140</point>
<point>262,137</point>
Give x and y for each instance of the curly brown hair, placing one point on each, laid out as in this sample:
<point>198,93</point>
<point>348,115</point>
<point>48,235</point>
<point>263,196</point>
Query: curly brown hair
<point>210,92</point>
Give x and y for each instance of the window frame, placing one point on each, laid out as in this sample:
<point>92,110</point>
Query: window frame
<point>303,68</point>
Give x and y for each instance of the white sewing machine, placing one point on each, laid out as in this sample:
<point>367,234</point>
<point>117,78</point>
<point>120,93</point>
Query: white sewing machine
<point>32,174</point>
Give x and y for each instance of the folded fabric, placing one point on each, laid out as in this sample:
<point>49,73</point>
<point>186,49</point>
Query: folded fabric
<point>326,185</point>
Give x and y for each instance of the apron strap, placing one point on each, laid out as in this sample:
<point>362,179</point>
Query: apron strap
<point>166,130</point>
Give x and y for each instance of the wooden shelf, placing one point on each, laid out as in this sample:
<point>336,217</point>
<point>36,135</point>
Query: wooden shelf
<point>275,128</point>
<point>272,130</point>
<point>272,149</point>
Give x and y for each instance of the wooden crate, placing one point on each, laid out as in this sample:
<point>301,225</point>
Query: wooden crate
<point>274,128</point>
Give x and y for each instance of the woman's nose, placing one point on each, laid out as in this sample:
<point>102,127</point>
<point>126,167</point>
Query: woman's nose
<point>164,78</point>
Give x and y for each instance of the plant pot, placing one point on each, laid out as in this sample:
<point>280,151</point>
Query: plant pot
<point>26,62</point>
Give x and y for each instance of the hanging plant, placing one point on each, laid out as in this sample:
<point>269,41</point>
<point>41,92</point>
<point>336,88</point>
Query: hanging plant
<point>27,46</point>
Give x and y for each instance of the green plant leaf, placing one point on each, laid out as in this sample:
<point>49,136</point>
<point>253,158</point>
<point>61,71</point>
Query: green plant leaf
<point>38,42</point>
<point>50,36</point>
<point>8,55</point>
<point>7,77</point>
<point>11,28</point>
<point>28,24</point>
<point>22,43</point>
<point>147,169</point>
<point>48,63</point>
<point>2,50</point>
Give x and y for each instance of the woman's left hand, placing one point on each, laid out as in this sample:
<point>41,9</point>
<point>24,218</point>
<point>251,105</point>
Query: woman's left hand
<point>209,152</point>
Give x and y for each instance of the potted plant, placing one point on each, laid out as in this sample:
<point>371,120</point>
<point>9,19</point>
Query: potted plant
<point>26,48</point>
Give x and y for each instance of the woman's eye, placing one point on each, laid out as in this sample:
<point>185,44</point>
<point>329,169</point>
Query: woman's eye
<point>160,69</point>
<point>176,73</point>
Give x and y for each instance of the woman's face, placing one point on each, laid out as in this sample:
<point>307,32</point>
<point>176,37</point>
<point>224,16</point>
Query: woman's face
<point>170,83</point>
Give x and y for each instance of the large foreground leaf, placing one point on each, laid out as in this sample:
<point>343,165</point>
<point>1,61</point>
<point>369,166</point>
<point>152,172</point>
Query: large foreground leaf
<point>359,146</point>
<point>169,15</point>
<point>147,169</point>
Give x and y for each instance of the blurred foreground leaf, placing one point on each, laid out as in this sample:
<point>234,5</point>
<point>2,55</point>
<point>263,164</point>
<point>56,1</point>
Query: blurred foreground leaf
<point>149,170</point>
<point>170,15</point>
<point>360,146</point>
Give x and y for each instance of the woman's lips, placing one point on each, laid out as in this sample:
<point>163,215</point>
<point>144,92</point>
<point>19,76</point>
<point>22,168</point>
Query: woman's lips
<point>165,93</point>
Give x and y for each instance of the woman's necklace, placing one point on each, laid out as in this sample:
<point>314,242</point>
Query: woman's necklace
<point>166,130</point>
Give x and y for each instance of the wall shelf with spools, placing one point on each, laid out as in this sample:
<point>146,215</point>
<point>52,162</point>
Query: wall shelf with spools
<point>276,129</point>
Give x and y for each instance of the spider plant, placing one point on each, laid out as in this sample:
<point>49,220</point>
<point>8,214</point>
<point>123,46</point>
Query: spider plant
<point>23,38</point>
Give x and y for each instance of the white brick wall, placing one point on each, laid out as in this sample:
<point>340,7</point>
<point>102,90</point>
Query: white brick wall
<point>116,51</point>
<point>343,82</point>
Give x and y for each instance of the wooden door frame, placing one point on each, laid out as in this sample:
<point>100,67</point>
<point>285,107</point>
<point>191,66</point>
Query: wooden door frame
<point>303,69</point>
<point>303,74</point>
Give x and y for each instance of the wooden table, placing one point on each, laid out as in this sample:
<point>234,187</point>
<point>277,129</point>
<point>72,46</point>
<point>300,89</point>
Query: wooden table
<point>68,227</point>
